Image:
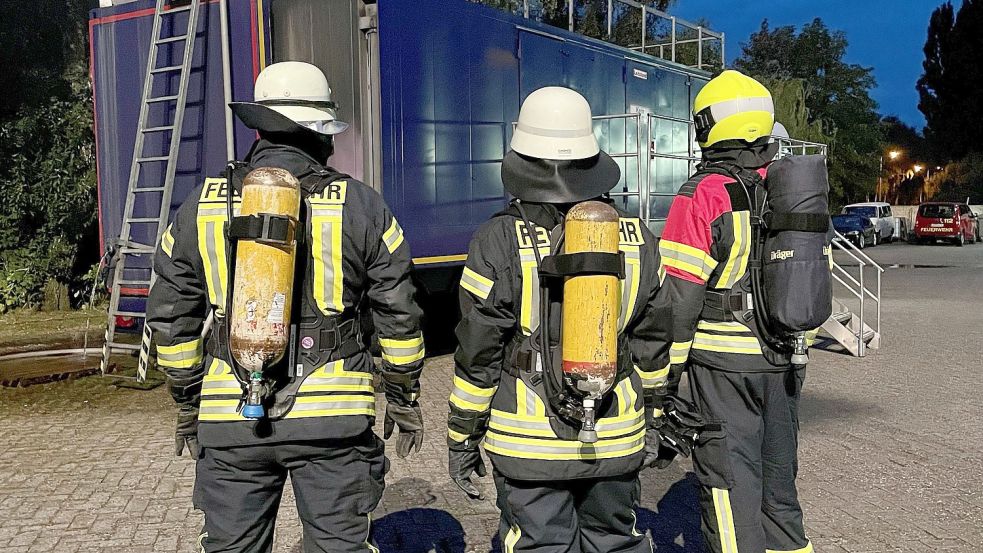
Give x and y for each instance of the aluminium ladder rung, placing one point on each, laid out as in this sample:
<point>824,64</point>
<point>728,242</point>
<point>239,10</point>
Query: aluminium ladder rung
<point>137,251</point>
<point>144,219</point>
<point>143,283</point>
<point>148,189</point>
<point>152,159</point>
<point>134,314</point>
<point>162,128</point>
<point>121,345</point>
<point>162,99</point>
<point>179,9</point>
<point>166,69</point>
<point>168,40</point>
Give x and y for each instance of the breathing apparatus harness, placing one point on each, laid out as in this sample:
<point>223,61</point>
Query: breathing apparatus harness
<point>315,339</point>
<point>564,399</point>
<point>766,221</point>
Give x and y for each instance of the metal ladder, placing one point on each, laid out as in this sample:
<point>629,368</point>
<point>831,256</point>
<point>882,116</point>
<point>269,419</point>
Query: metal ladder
<point>135,256</point>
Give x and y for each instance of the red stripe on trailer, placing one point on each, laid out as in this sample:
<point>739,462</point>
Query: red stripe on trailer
<point>253,24</point>
<point>133,291</point>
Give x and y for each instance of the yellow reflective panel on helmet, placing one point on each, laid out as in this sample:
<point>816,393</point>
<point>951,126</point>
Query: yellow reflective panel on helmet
<point>733,106</point>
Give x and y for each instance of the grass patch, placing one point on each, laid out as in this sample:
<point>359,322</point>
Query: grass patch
<point>27,329</point>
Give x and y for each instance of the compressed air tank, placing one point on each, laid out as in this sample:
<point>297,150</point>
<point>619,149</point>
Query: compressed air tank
<point>264,273</point>
<point>591,303</point>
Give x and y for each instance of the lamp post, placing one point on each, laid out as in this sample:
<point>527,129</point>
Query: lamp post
<point>892,155</point>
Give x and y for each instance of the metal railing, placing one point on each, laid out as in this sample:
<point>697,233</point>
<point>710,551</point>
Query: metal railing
<point>858,286</point>
<point>627,154</point>
<point>644,29</point>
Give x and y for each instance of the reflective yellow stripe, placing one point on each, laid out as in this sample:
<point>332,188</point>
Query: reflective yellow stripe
<point>539,426</point>
<point>729,327</point>
<point>679,352</point>
<point>211,219</point>
<point>469,397</point>
<point>529,310</point>
<point>807,549</point>
<point>725,520</point>
<point>333,378</point>
<point>811,337</point>
<point>403,351</point>
<point>629,285</point>
<point>527,401</point>
<point>727,344</point>
<point>564,450</point>
<point>687,258</point>
<point>167,241</point>
<point>326,236</point>
<point>476,284</point>
<point>180,356</point>
<point>512,538</point>
<point>739,253</point>
<point>332,406</point>
<point>393,237</point>
<point>653,379</point>
<point>457,436</point>
<point>662,272</point>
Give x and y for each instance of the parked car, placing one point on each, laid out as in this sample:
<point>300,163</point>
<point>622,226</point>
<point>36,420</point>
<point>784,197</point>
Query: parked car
<point>857,229</point>
<point>948,221</point>
<point>879,214</point>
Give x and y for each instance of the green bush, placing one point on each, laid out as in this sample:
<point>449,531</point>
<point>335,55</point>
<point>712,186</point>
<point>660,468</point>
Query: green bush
<point>48,186</point>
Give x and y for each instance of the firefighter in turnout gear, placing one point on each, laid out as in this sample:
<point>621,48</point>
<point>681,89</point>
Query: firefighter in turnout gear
<point>316,420</point>
<point>556,493</point>
<point>747,465</point>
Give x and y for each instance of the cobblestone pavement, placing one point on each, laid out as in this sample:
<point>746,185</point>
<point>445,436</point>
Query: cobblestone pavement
<point>891,454</point>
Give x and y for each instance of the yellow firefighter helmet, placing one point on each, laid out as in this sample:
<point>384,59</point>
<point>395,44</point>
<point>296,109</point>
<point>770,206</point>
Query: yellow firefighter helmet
<point>732,106</point>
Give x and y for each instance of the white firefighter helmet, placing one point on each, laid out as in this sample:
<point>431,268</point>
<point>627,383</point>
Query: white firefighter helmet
<point>555,157</point>
<point>555,123</point>
<point>291,96</point>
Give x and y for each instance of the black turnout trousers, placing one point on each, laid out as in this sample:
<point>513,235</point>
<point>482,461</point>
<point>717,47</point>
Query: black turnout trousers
<point>593,515</point>
<point>747,472</point>
<point>337,483</point>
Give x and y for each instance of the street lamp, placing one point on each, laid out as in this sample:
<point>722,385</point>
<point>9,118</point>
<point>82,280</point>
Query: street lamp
<point>892,155</point>
<point>918,168</point>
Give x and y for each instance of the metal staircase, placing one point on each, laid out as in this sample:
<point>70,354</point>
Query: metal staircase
<point>155,153</point>
<point>856,320</point>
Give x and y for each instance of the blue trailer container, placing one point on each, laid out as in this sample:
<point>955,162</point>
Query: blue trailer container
<point>431,89</point>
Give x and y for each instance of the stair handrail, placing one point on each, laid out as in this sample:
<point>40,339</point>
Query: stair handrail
<point>862,292</point>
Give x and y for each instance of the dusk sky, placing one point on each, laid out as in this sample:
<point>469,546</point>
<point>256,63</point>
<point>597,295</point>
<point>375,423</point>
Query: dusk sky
<point>887,35</point>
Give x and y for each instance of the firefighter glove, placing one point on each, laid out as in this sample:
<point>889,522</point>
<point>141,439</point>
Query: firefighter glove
<point>657,453</point>
<point>460,466</point>
<point>186,432</point>
<point>409,419</point>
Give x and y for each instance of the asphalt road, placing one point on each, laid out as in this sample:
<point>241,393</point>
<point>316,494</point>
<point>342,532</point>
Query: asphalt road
<point>891,454</point>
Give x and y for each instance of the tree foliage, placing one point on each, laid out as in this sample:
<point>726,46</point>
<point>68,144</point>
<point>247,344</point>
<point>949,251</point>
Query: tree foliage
<point>949,87</point>
<point>48,227</point>
<point>837,96</point>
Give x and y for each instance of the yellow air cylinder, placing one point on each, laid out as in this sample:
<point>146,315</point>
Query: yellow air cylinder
<point>591,303</point>
<point>264,273</point>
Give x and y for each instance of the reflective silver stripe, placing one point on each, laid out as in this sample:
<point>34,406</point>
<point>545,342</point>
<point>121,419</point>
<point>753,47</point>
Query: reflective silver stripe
<point>554,133</point>
<point>326,211</point>
<point>402,351</point>
<point>606,425</point>
<point>531,398</point>
<point>470,398</point>
<point>328,405</point>
<point>328,266</point>
<point>471,282</point>
<point>393,236</point>
<point>524,424</point>
<point>726,344</point>
<point>207,212</point>
<point>626,287</point>
<point>700,263</point>
<point>210,244</point>
<point>336,381</point>
<point>723,110</point>
<point>576,447</point>
<point>211,407</point>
